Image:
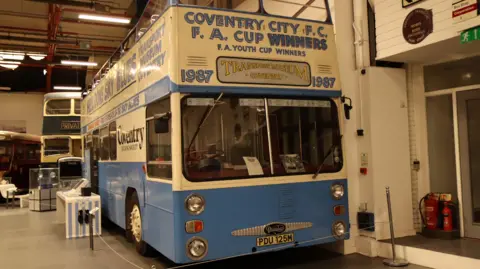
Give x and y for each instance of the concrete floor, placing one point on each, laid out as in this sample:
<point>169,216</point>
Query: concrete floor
<point>34,240</point>
<point>466,247</point>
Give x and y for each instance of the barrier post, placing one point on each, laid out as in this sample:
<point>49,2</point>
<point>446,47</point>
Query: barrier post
<point>90,228</point>
<point>394,262</point>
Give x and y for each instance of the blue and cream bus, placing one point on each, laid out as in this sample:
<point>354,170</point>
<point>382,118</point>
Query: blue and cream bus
<point>60,127</point>
<point>216,130</point>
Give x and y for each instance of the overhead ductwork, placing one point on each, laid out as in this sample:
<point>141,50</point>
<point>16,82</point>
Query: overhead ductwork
<point>36,40</point>
<point>85,4</point>
<point>90,4</point>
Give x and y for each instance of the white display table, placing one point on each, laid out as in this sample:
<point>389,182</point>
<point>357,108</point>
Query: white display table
<point>72,210</point>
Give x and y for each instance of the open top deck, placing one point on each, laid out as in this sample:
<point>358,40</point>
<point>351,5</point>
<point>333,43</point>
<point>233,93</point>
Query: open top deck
<point>197,49</point>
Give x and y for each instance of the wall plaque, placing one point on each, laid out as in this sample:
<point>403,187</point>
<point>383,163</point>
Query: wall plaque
<point>417,25</point>
<point>407,3</point>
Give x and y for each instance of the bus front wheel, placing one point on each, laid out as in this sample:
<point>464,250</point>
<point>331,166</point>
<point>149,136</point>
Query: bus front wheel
<point>134,229</point>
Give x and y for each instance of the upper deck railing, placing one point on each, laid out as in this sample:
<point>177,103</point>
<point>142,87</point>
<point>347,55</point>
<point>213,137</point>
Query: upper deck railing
<point>316,10</point>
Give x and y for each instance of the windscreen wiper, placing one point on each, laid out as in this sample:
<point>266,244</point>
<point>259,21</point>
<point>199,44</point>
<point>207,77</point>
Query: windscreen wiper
<point>204,118</point>
<point>329,152</point>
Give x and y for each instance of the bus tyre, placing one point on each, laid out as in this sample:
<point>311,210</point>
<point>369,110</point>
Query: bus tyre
<point>134,225</point>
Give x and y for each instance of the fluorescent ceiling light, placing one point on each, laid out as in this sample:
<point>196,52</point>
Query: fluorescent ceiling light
<point>104,18</point>
<point>68,62</point>
<point>10,62</point>
<point>12,56</point>
<point>9,66</point>
<point>67,88</point>
<point>37,56</point>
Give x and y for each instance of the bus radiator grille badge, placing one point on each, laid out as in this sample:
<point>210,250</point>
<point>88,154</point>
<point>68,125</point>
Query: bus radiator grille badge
<point>275,228</point>
<point>272,228</point>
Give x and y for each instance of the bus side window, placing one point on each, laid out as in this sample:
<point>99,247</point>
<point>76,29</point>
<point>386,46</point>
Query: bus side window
<point>77,107</point>
<point>113,140</point>
<point>20,151</point>
<point>32,151</point>
<point>96,145</point>
<point>104,144</point>
<point>159,145</point>
<point>58,107</point>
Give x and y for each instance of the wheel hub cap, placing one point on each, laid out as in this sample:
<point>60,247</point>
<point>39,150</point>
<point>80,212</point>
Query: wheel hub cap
<point>136,223</point>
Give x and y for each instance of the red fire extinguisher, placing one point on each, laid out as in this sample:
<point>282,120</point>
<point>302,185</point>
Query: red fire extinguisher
<point>447,217</point>
<point>431,211</point>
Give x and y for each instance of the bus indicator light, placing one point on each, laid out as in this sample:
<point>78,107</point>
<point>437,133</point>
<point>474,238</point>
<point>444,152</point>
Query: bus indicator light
<point>193,226</point>
<point>339,210</point>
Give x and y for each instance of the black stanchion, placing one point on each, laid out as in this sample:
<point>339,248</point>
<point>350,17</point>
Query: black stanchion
<point>90,224</point>
<point>394,262</point>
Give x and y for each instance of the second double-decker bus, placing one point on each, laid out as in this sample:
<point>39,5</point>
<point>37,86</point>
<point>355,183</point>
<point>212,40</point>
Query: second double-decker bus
<point>61,127</point>
<point>19,153</point>
<point>219,132</point>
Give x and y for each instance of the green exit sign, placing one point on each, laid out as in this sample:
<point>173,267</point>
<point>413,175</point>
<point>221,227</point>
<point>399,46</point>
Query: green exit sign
<point>470,35</point>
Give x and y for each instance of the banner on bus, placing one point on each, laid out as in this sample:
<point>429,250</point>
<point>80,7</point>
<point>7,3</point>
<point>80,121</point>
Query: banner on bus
<point>253,71</point>
<point>244,48</point>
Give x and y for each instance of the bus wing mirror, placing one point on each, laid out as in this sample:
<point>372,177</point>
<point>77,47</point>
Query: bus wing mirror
<point>346,107</point>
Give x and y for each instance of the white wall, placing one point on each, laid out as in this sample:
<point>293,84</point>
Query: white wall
<point>389,16</point>
<point>23,106</point>
<point>387,128</point>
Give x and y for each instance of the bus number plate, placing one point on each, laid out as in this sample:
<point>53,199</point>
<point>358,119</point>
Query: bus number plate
<point>274,240</point>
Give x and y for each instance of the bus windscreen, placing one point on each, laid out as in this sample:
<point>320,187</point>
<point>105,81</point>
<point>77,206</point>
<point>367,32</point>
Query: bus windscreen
<point>232,139</point>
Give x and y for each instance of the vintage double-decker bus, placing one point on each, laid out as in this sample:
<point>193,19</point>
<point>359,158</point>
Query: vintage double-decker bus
<point>218,132</point>
<point>19,153</point>
<point>61,127</point>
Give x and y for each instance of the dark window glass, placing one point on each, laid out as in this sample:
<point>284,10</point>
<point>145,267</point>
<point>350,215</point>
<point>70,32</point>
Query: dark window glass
<point>96,145</point>
<point>56,146</point>
<point>302,136</point>
<point>453,74</point>
<point>113,140</point>
<point>77,107</point>
<point>5,155</point>
<point>33,151</point>
<point>70,169</point>
<point>228,138</point>
<point>159,146</point>
<point>20,151</point>
<point>58,107</point>
<point>104,144</point>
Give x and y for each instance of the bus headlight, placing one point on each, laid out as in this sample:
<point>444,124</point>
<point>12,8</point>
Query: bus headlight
<point>338,229</point>
<point>337,191</point>
<point>195,204</point>
<point>196,248</point>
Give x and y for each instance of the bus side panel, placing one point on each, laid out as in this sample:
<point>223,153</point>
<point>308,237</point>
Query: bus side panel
<point>158,218</point>
<point>114,180</point>
<point>238,208</point>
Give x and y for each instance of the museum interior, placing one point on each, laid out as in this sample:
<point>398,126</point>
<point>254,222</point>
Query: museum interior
<point>155,134</point>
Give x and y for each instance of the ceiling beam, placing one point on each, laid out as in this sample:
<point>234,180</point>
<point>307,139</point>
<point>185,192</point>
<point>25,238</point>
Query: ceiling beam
<point>60,50</point>
<point>37,40</point>
<point>90,4</point>
<point>63,33</point>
